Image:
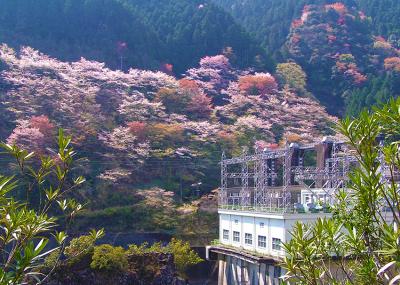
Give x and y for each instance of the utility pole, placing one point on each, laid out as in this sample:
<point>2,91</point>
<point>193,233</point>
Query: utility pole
<point>197,185</point>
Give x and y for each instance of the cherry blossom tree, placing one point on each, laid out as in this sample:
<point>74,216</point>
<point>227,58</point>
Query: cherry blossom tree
<point>200,106</point>
<point>213,76</point>
<point>392,63</point>
<point>139,129</point>
<point>34,134</point>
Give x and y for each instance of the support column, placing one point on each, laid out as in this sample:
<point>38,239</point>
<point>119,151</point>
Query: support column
<point>262,274</point>
<point>285,199</point>
<point>254,278</point>
<point>270,280</point>
<point>324,151</point>
<point>239,271</point>
<point>227,271</point>
<point>245,195</point>
<point>245,272</point>
<point>223,195</point>
<point>221,269</point>
<point>234,279</point>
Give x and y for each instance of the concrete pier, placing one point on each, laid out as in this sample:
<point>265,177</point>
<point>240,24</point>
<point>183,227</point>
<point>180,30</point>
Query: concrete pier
<point>244,269</point>
<point>235,271</point>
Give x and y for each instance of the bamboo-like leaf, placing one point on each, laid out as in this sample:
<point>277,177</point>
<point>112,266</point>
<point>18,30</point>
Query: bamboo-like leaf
<point>386,267</point>
<point>394,280</point>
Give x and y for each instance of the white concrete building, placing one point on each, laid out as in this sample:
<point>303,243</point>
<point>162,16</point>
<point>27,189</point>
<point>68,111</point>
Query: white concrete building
<point>260,232</point>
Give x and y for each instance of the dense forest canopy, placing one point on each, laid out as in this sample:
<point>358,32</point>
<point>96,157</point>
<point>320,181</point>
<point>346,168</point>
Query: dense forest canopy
<point>270,20</point>
<point>128,33</point>
<point>370,33</point>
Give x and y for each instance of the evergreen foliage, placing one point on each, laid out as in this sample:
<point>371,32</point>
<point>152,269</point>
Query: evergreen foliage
<point>29,222</point>
<point>127,33</point>
<point>270,20</point>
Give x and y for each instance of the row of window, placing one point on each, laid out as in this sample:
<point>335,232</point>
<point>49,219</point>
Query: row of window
<point>248,239</point>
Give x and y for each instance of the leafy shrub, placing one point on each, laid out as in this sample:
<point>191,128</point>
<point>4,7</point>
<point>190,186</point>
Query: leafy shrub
<point>157,247</point>
<point>145,248</point>
<point>79,246</point>
<point>109,258</point>
<point>184,256</point>
<point>134,249</point>
<point>51,260</point>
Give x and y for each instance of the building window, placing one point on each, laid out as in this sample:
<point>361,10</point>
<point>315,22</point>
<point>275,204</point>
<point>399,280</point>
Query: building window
<point>236,236</point>
<point>225,234</point>
<point>262,241</point>
<point>261,225</point>
<point>248,239</point>
<point>276,243</point>
<point>236,222</point>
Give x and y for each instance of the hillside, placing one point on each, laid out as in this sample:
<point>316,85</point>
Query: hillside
<point>270,20</point>
<point>168,35</point>
<point>193,29</point>
<point>335,46</point>
<point>342,46</point>
<point>142,129</point>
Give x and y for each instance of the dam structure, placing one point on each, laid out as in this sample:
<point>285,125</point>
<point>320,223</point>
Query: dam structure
<point>263,195</point>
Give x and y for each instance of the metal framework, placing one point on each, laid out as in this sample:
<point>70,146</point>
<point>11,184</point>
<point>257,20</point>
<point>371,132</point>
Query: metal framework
<point>272,179</point>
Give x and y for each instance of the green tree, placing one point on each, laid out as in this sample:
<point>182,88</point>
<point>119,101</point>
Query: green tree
<point>26,225</point>
<point>360,244</point>
<point>184,256</point>
<point>292,75</point>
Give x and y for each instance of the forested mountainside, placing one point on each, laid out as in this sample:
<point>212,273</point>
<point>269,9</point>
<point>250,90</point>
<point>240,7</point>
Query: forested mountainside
<point>269,20</point>
<point>170,34</point>
<point>348,49</point>
<point>334,45</point>
<point>143,129</point>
